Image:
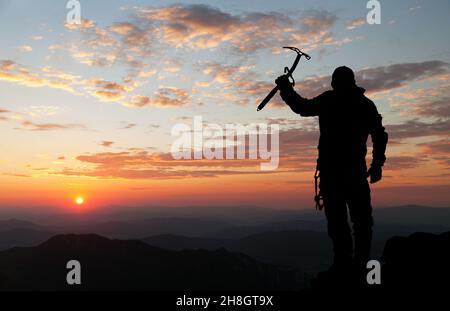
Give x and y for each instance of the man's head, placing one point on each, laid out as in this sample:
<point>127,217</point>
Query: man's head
<point>343,78</point>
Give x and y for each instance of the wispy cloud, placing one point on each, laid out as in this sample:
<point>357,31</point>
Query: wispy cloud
<point>128,126</point>
<point>416,128</point>
<point>433,101</point>
<point>164,97</point>
<point>138,163</point>
<point>141,164</point>
<point>106,143</point>
<point>25,48</point>
<point>16,73</point>
<point>2,112</point>
<point>414,8</point>
<point>438,150</point>
<point>402,162</point>
<point>382,78</point>
<point>195,27</point>
<point>137,44</point>
<point>42,110</point>
<point>354,23</point>
<point>28,125</point>
<point>205,27</point>
<point>14,174</point>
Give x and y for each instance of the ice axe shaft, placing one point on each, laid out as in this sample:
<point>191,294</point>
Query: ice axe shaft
<point>288,72</point>
<point>268,98</point>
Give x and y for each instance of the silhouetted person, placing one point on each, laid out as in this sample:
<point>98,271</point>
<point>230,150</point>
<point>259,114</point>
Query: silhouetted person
<point>346,118</point>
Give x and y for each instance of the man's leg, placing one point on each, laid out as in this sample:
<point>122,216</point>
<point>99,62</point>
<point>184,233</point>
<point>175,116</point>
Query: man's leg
<point>338,228</point>
<point>361,216</point>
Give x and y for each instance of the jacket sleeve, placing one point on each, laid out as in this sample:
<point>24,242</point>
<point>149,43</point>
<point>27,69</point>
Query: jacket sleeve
<point>379,137</point>
<point>302,106</point>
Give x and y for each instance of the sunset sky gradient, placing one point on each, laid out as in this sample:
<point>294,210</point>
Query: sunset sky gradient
<point>87,110</point>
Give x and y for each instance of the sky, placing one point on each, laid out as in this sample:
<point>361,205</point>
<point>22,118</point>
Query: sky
<point>87,110</point>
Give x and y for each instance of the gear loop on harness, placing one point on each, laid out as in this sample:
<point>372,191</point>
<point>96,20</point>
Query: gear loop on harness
<point>318,197</point>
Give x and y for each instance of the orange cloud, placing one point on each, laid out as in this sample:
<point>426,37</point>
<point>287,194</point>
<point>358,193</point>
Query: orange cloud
<point>13,72</point>
<point>106,143</point>
<point>107,91</point>
<point>402,162</point>
<point>111,86</point>
<point>141,164</point>
<point>298,154</point>
<point>6,65</point>
<point>354,23</point>
<point>85,24</point>
<point>195,27</point>
<point>139,101</point>
<point>108,96</point>
<point>415,128</point>
<point>164,97</point>
<point>433,101</point>
<point>438,150</point>
<point>220,73</point>
<point>205,27</point>
<point>122,28</point>
<point>28,125</point>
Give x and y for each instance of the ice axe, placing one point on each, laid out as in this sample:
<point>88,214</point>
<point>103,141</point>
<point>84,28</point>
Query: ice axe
<point>288,72</point>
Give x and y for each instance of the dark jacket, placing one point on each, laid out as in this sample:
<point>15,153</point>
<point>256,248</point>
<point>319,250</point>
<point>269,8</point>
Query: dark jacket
<point>346,119</point>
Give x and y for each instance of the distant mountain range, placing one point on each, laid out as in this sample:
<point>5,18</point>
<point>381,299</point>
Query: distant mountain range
<point>22,237</point>
<point>307,251</point>
<point>219,223</point>
<point>235,215</point>
<point>138,228</point>
<point>414,264</point>
<point>298,242</point>
<point>133,265</point>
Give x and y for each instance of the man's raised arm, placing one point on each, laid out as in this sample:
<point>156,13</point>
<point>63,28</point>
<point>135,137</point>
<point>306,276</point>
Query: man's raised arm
<point>302,106</point>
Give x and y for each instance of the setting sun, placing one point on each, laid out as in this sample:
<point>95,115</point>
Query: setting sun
<point>79,200</point>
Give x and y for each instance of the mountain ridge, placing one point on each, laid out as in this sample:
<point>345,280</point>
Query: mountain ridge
<point>108,264</point>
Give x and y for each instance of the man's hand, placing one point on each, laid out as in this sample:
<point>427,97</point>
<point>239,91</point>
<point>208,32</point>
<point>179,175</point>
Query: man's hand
<point>283,83</point>
<point>375,173</point>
